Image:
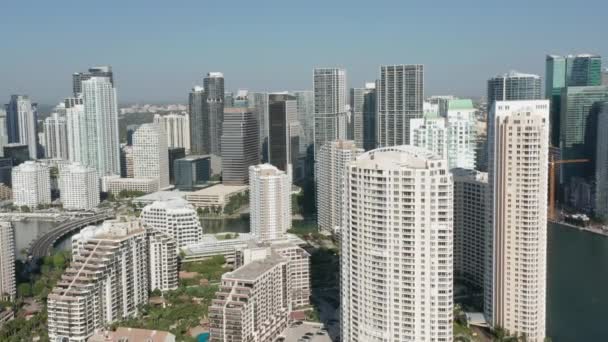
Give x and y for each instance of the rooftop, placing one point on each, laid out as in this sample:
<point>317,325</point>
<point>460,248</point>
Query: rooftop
<point>218,189</point>
<point>396,157</point>
<point>255,269</point>
<point>133,334</point>
<point>160,196</point>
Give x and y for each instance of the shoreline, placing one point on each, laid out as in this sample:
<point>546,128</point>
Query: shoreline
<point>593,230</point>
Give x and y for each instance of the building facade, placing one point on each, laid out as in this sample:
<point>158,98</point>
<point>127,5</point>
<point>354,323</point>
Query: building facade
<point>516,271</point>
<point>31,184</point>
<point>306,111</point>
<point>151,154</point>
<point>394,284</point>
<point>79,187</point>
<point>329,105</point>
<point>269,202</point>
<point>176,218</point>
<point>192,171</point>
<point>213,109</point>
<point>199,135</point>
<point>240,148</point>
<point>76,129</point>
<point>363,107</point>
<point>21,117</point>
<point>513,86</point>
<point>99,71</point>
<point>55,133</point>
<point>8,288</point>
<point>601,164</point>
<point>162,261</point>
<point>283,131</point>
<point>177,129</point>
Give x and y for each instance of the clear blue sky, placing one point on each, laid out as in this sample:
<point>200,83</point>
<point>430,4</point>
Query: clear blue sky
<point>160,49</point>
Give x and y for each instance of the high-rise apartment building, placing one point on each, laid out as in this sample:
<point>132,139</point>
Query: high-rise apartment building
<point>513,86</point>
<point>269,202</point>
<point>21,117</point>
<point>213,108</point>
<point>395,285</point>
<point>283,131</point>
<point>601,164</point>
<point>31,184</point>
<point>363,107</point>
<point>78,187</point>
<point>176,218</point>
<point>199,134</point>
<point>162,261</point>
<point>470,225</point>
<point>75,128</point>
<point>240,148</point>
<point>150,154</point>
<point>8,289</point>
<point>177,129</point>
<point>400,99</point>
<point>516,268</point>
<point>332,160</point>
<point>329,105</point>
<point>106,281</point>
<point>101,145</point>
<point>3,131</point>
<point>55,133</point>
<point>100,71</point>
<point>306,111</point>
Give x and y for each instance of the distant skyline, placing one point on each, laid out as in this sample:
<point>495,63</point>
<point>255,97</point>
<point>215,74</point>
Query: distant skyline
<point>159,50</point>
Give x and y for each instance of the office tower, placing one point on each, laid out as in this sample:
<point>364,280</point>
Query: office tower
<point>199,137</point>
<point>400,98</point>
<point>283,131</point>
<point>192,171</point>
<point>513,86</point>
<point>126,161</point>
<point>228,99</point>
<point>3,131</point>
<point>55,133</point>
<point>177,128</point>
<point>269,202</point>
<point>102,150</point>
<point>150,154</point>
<point>8,289</point>
<point>330,105</point>
<point>31,184</point>
<point>601,164</point>
<point>162,262</point>
<point>175,153</point>
<point>259,103</point>
<point>241,100</point>
<point>6,167</point>
<point>515,281</point>
<point>18,153</point>
<point>331,168</point>
<point>239,145</point>
<point>21,115</point>
<point>306,108</point>
<point>107,280</point>
<point>78,187</point>
<point>100,71</point>
<point>363,107</point>
<point>605,77</point>
<point>568,71</point>
<point>252,303</point>
<point>176,218</point>
<point>213,109</point>
<point>397,286</point>
<point>470,225</point>
<point>76,129</point>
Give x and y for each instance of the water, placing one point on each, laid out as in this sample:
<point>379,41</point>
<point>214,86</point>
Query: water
<point>577,279</point>
<point>204,337</point>
<point>28,230</point>
<point>239,225</point>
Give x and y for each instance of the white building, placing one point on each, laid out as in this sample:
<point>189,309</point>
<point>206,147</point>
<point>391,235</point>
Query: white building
<point>332,160</point>
<point>162,262</point>
<point>115,184</point>
<point>269,202</point>
<point>106,281</point>
<point>8,290</point>
<point>56,137</point>
<point>31,184</point>
<point>177,128</point>
<point>76,130</point>
<point>396,257</point>
<point>79,187</point>
<point>176,218</point>
<point>430,133</point>
<point>100,138</point>
<point>470,225</point>
<point>516,274</point>
<point>329,105</point>
<point>151,154</point>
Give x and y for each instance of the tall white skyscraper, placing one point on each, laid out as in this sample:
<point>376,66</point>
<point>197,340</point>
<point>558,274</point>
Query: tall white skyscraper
<point>269,202</point>
<point>101,126</point>
<point>21,123</point>
<point>400,99</point>
<point>430,133</point>
<point>516,273</point>
<point>55,133</point>
<point>396,257</point>
<point>176,218</point>
<point>332,160</point>
<point>8,290</point>
<point>76,129</point>
<point>151,154</point>
<point>329,105</point>
<point>79,187</point>
<point>31,184</point>
<point>177,128</point>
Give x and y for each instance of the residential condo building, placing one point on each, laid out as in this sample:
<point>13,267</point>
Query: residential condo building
<point>177,129</point>
<point>269,202</point>
<point>8,288</point>
<point>151,154</point>
<point>176,218</point>
<point>56,136</point>
<point>31,184</point>
<point>79,187</point>
<point>329,105</point>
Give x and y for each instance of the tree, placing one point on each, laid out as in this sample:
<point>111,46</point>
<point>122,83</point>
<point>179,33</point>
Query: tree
<point>59,261</point>
<point>25,209</point>
<point>24,290</point>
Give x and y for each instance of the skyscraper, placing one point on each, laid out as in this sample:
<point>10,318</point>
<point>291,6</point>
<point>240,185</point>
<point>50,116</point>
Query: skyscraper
<point>513,86</point>
<point>400,99</point>
<point>199,134</point>
<point>55,133</point>
<point>306,112</point>
<point>100,71</point>
<point>330,105</point>
<point>283,131</point>
<point>601,164</point>
<point>150,154</point>
<point>76,129</point>
<point>214,110</point>
<point>331,165</point>
<point>31,184</point>
<point>568,71</point>
<point>605,77</point>
<point>240,148</point>
<point>177,128</point>
<point>259,102</point>
<point>162,261</point>
<point>21,119</point>
<point>516,269</point>
<point>3,131</point>
<point>78,187</point>
<point>269,202</point>
<point>8,288</point>
<point>461,133</point>
<point>101,126</point>
<point>363,107</point>
<point>394,284</point>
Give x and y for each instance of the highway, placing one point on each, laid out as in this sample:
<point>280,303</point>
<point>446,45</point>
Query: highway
<point>43,245</point>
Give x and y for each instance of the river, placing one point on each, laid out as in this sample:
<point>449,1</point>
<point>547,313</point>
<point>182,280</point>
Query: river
<point>27,230</point>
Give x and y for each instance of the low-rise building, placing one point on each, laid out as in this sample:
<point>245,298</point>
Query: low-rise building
<point>215,196</point>
<point>145,185</point>
<point>132,335</point>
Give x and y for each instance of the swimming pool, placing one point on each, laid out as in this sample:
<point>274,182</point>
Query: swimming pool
<point>204,337</point>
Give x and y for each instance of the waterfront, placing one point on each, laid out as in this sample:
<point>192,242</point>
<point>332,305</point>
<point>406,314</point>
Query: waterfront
<point>233,225</point>
<point>27,230</point>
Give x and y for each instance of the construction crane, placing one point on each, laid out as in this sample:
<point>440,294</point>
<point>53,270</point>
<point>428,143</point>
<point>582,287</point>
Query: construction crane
<point>552,164</point>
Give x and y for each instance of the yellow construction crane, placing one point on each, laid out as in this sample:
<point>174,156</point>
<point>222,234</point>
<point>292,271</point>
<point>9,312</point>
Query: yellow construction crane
<point>552,164</point>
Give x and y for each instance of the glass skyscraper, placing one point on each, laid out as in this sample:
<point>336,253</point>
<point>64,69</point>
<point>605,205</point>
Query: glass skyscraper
<point>513,86</point>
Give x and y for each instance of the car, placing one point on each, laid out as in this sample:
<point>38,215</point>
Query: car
<point>309,334</point>
<point>321,332</point>
<point>306,338</point>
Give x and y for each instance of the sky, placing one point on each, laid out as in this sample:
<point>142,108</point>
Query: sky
<point>160,49</point>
